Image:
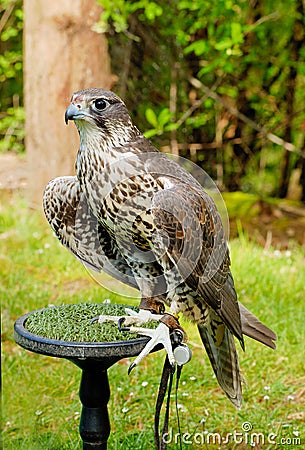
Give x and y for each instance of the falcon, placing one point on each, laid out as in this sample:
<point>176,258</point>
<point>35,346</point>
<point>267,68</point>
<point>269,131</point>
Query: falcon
<point>139,216</point>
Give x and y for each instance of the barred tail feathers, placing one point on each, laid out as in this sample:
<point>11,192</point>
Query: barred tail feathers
<point>224,360</point>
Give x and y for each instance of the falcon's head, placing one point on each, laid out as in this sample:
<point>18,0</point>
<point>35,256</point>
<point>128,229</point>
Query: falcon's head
<point>102,111</point>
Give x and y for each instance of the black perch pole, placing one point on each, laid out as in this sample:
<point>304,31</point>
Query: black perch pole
<point>94,394</point>
<point>94,359</point>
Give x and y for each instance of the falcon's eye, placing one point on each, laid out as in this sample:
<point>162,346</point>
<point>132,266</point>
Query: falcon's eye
<point>100,104</point>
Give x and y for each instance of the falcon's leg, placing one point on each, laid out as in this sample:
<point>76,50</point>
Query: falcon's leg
<point>150,309</point>
<point>132,317</point>
<point>164,334</point>
<point>167,333</point>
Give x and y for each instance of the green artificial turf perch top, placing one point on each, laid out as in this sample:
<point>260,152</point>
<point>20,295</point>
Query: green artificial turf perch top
<point>71,323</point>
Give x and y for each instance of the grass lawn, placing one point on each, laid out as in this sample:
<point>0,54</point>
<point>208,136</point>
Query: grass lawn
<point>40,394</point>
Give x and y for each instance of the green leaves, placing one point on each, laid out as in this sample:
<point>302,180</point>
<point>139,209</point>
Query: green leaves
<point>151,117</point>
<point>11,76</point>
<point>12,130</point>
<point>198,47</point>
<point>10,65</point>
<point>161,122</point>
<point>119,11</point>
<point>237,35</point>
<point>151,10</point>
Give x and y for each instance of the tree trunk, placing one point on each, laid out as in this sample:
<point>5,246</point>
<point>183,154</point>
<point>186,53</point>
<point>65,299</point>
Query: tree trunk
<point>62,54</point>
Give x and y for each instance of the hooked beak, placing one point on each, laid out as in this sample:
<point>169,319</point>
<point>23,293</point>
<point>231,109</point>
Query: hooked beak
<point>73,113</point>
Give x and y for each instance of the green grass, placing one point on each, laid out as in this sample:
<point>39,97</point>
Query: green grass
<point>72,323</point>
<point>40,394</point>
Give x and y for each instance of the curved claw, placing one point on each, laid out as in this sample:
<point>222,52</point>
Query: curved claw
<point>159,335</point>
<point>120,324</point>
<point>94,319</point>
<point>131,367</point>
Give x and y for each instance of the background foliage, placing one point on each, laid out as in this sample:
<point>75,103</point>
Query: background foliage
<point>220,82</point>
<point>11,76</point>
<point>217,75</point>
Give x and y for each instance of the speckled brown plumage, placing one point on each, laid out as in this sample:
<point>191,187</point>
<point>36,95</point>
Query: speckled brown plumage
<point>139,216</point>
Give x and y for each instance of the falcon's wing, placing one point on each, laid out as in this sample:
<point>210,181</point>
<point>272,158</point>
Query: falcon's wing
<point>190,235</point>
<point>77,229</point>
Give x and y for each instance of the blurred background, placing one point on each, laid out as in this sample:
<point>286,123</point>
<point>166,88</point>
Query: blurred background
<point>221,83</point>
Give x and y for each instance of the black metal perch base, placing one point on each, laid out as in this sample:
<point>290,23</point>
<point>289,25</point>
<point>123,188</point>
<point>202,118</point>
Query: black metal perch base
<point>94,359</point>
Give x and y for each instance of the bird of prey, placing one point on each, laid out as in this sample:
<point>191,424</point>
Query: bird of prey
<point>140,217</point>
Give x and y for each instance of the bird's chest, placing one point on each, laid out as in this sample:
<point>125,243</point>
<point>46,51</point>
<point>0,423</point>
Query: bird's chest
<point>119,193</point>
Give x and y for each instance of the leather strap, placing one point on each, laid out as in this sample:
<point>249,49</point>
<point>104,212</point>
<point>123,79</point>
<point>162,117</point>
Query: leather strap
<point>165,384</point>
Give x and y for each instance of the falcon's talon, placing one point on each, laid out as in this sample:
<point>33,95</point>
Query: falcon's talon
<point>94,319</point>
<point>131,367</point>
<point>120,324</point>
<point>143,316</point>
<point>159,335</point>
<point>132,317</point>
<point>102,319</point>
